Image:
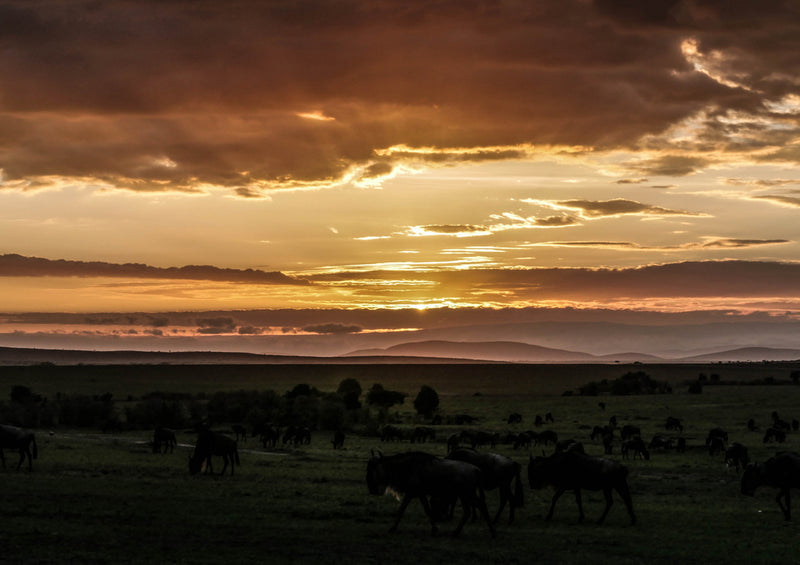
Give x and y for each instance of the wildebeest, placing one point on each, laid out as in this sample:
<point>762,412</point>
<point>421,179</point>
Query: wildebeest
<point>515,418</point>
<point>547,437</point>
<point>636,446</point>
<point>781,471</point>
<point>478,438</point>
<point>575,471</point>
<point>269,435</point>
<point>660,441</point>
<point>421,434</point>
<point>21,440</point>
<point>338,439</point>
<point>420,475</point>
<point>212,443</point>
<point>297,435</point>
<point>498,472</point>
<point>736,456</point>
<point>164,440</point>
<point>239,431</point>
<point>391,433</point>
<point>673,423</point>
<point>716,440</point>
<point>774,434</point>
<point>629,431</point>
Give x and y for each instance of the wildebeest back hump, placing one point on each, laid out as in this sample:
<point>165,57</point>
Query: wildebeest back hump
<point>449,477</point>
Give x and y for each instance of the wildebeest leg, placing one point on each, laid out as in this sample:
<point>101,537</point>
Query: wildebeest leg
<point>787,510</point>
<point>403,505</point>
<point>467,511</point>
<point>580,505</point>
<point>609,502</point>
<point>478,501</point>
<point>556,496</point>
<point>625,493</point>
<point>504,496</point>
<point>427,507</point>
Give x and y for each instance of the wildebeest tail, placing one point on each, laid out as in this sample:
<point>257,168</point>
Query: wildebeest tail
<point>34,450</point>
<point>519,496</point>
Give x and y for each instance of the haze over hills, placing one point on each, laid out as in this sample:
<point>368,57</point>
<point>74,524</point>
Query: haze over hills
<point>415,352</point>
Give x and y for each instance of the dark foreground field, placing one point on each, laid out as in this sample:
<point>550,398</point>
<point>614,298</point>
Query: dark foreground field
<point>105,498</point>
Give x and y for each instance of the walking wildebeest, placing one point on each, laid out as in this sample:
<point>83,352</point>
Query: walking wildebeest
<point>420,475</point>
<point>498,472</point>
<point>736,456</point>
<point>781,471</point>
<point>164,437</point>
<point>211,443</point>
<point>637,446</point>
<point>421,434</point>
<point>22,441</point>
<point>575,471</point>
<point>515,418</point>
<point>391,433</point>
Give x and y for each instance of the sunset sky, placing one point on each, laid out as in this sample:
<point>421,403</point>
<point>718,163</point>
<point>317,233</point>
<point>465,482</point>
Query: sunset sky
<point>386,157</point>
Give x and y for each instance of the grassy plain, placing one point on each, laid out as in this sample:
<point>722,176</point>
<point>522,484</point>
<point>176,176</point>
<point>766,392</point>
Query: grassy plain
<point>105,498</point>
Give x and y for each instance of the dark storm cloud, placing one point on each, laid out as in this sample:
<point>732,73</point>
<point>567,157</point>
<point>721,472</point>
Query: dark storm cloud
<point>248,95</point>
<point>13,265</point>
<point>332,329</point>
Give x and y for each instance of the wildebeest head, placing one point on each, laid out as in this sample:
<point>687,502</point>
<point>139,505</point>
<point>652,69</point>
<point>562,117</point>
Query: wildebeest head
<point>377,481</point>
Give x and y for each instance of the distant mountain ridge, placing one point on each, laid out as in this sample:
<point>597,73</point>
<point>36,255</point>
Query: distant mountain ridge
<point>430,351</point>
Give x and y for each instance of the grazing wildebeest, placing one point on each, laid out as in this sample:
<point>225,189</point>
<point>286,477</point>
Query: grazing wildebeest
<point>421,434</point>
<point>420,475</point>
<point>464,419</point>
<point>673,424</point>
<point>338,439</point>
<point>523,439</point>
<point>269,436</point>
<point>20,440</point>
<point>660,441</point>
<point>479,438</point>
<point>515,418</point>
<point>600,431</point>
<point>781,471</point>
<point>575,471</point>
<point>211,443</point>
<point>164,440</point>
<point>736,456</point>
<point>774,434</point>
<point>637,446</point>
<point>297,435</point>
<point>547,437</point>
<point>548,418</point>
<point>497,472</point>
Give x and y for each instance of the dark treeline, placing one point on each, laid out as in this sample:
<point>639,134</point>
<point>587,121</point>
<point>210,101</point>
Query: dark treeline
<point>303,405</point>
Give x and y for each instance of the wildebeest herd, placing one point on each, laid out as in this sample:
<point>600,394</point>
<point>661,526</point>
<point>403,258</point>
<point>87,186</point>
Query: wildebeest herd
<point>470,467</point>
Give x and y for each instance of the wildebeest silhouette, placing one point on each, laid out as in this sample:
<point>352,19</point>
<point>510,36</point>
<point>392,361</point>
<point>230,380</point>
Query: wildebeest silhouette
<point>338,439</point>
<point>164,440</point>
<point>781,471</point>
<point>419,475</point>
<point>498,472</point>
<point>21,440</point>
<point>569,470</point>
<point>212,443</point>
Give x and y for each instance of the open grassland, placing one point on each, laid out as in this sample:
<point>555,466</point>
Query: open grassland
<point>106,498</point>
